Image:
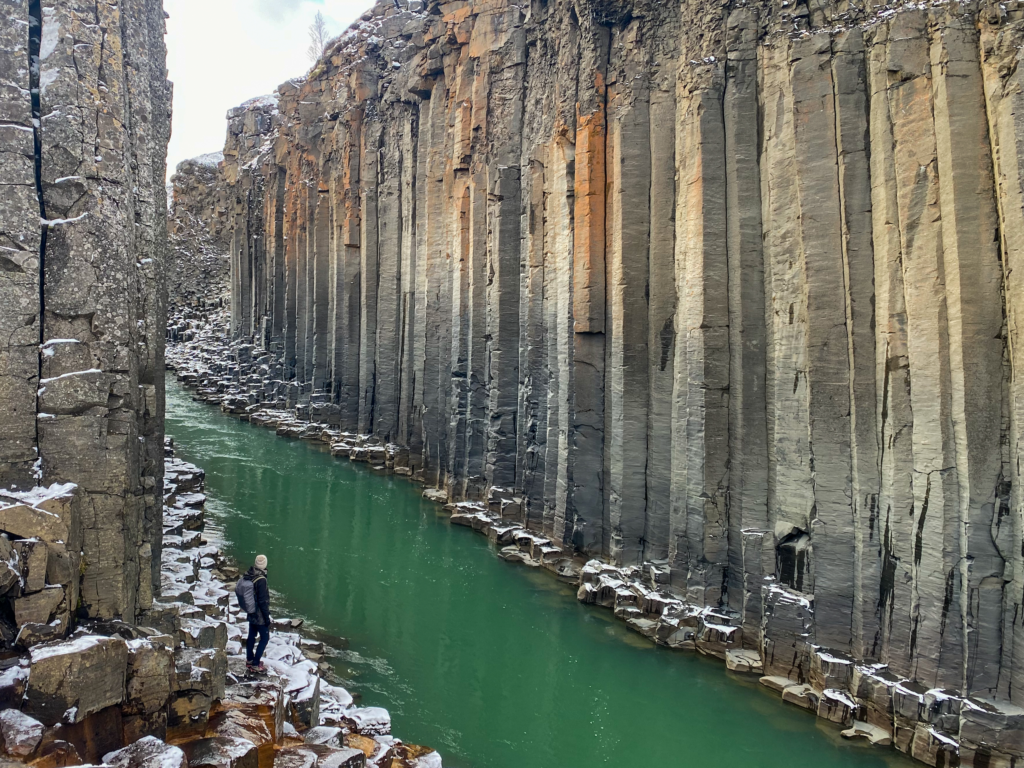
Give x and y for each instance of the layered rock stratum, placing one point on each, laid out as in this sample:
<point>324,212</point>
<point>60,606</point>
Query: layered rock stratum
<point>722,290</point>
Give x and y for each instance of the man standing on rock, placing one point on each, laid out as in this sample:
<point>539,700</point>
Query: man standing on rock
<point>259,621</point>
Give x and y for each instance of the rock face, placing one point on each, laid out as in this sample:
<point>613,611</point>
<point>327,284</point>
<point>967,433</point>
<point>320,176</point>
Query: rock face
<point>71,681</point>
<point>199,235</point>
<point>728,291</point>
<point>84,120</point>
<point>40,570</point>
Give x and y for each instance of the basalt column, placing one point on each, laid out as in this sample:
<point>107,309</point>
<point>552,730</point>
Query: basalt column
<point>82,295</point>
<point>724,293</point>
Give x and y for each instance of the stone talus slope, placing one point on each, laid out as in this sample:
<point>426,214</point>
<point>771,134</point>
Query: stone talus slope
<point>730,290</point>
<point>84,122</point>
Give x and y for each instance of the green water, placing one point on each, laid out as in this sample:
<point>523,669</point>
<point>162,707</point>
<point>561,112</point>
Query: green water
<point>494,664</point>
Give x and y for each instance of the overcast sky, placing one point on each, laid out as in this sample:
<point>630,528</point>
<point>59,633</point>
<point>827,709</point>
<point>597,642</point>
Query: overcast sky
<point>223,52</point>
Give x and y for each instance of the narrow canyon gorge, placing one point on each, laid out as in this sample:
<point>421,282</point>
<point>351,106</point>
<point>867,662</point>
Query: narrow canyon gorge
<point>706,308</point>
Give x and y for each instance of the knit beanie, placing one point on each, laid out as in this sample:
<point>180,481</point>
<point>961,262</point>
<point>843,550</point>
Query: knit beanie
<point>261,562</point>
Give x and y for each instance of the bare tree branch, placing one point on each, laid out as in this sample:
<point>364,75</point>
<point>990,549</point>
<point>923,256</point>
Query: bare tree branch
<point>318,38</point>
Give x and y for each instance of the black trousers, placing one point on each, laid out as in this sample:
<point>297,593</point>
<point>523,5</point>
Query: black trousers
<point>264,634</point>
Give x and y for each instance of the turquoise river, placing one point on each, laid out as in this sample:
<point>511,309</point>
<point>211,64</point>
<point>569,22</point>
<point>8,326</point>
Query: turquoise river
<point>494,664</point>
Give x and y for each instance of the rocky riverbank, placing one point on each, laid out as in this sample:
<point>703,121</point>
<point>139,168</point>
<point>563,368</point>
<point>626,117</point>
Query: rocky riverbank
<point>864,699</point>
<point>172,687</point>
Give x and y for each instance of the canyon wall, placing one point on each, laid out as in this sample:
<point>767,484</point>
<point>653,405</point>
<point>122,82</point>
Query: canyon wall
<point>726,289</point>
<point>199,234</point>
<point>84,123</point>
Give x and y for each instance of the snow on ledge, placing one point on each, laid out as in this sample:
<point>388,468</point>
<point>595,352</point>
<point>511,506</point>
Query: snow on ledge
<point>40,494</point>
<point>209,160</point>
<point>75,645</point>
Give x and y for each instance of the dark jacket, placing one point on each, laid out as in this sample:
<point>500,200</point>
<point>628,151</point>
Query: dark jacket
<point>259,585</point>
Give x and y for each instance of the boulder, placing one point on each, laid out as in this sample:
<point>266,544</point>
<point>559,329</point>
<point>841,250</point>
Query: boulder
<point>743,660</point>
<point>10,569</point>
<point>932,747</point>
<point>197,669</point>
<point>837,706</point>
<point>221,752</point>
<point>38,607</point>
<point>56,754</point>
<point>32,634</point>
<point>415,756</point>
<point>188,713</point>
<point>776,683</point>
<point>147,752</point>
<point>263,698</point>
<point>908,701</point>
<point>10,578</point>
<point>21,733</point>
<point>237,724</point>
<point>51,514</point>
<point>135,727</point>
<point>97,734</point>
<point>12,686</point>
<point>873,685</point>
<point>802,695</point>
<point>149,675</point>
<point>163,617</point>
<point>295,757</point>
<point>369,747</point>
<point>368,721</point>
<point>74,679</point>
<point>436,495</point>
<point>942,710</point>
<point>202,633</point>
<point>830,669</point>
<point>872,733</point>
<point>25,521</point>
<point>306,702</point>
<point>994,725</point>
<point>342,758</point>
<point>337,757</point>
<point>324,734</point>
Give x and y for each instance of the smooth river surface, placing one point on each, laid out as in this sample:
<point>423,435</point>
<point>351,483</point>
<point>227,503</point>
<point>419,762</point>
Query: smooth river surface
<point>494,664</point>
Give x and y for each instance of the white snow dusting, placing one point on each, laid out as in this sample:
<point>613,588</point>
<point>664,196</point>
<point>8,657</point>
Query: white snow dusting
<point>57,222</point>
<point>50,36</point>
<point>73,373</point>
<point>38,495</point>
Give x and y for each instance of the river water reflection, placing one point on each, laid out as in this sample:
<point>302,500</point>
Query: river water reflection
<point>494,664</point>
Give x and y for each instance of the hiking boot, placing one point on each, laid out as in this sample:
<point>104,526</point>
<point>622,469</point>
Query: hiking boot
<point>258,669</point>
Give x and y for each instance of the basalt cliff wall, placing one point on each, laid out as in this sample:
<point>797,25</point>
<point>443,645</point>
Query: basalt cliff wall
<point>84,124</point>
<point>728,289</point>
<point>199,234</point>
